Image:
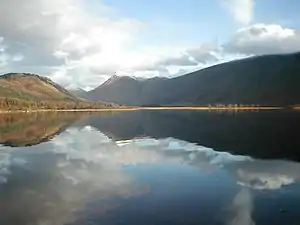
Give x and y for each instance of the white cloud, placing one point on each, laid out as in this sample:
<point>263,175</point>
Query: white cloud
<point>259,39</point>
<point>145,62</point>
<point>73,46</point>
<point>62,34</point>
<point>205,53</point>
<point>241,10</point>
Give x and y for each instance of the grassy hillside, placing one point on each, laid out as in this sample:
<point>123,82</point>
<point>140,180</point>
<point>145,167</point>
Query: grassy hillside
<point>265,80</point>
<point>29,91</point>
<point>32,87</point>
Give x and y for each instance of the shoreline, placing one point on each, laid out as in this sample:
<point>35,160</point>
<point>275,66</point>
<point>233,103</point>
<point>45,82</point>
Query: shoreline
<point>196,108</point>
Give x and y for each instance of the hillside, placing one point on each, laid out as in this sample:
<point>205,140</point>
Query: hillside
<point>263,80</point>
<point>32,87</point>
<point>30,91</point>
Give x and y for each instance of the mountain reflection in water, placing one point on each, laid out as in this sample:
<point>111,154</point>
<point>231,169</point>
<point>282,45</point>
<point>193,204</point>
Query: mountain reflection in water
<point>81,176</point>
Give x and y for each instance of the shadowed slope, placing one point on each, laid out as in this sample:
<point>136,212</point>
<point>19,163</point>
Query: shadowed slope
<point>265,80</point>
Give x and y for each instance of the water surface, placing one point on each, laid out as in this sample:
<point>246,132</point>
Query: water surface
<point>150,168</point>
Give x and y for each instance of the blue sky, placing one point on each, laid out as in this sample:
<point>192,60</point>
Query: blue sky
<point>191,21</point>
<point>181,21</point>
<point>81,43</point>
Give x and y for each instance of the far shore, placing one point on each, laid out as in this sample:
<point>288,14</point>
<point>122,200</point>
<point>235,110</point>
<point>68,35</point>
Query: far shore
<point>199,108</point>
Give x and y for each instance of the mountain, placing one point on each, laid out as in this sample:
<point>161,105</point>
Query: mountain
<point>31,91</point>
<point>79,93</point>
<point>263,80</point>
<point>32,87</point>
<point>126,90</point>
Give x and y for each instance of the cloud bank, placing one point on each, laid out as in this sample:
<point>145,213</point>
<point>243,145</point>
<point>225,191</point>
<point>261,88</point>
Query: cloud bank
<point>74,46</point>
<point>261,39</point>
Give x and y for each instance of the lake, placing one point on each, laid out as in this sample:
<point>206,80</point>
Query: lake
<point>150,167</point>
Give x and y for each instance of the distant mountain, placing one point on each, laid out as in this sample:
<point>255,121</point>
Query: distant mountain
<point>263,80</point>
<point>31,91</point>
<point>126,90</point>
<point>79,93</point>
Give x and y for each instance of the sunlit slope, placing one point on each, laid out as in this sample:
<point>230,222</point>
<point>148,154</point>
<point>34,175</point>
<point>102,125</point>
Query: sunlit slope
<point>20,91</point>
<point>32,87</point>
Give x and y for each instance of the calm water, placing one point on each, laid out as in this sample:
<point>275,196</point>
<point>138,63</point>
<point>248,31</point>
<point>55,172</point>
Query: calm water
<point>150,168</point>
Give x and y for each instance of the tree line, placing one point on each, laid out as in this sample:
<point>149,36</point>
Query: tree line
<point>18,104</point>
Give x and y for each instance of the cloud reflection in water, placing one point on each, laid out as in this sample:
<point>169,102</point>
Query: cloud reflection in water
<point>52,183</point>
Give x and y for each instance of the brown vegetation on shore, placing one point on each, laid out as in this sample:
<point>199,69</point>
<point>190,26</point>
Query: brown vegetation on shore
<point>13,104</point>
<point>204,108</point>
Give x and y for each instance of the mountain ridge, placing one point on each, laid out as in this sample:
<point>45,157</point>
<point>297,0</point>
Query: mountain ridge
<point>263,80</point>
<point>270,80</point>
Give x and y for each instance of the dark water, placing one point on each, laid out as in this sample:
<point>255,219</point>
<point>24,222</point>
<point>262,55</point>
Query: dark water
<point>148,167</point>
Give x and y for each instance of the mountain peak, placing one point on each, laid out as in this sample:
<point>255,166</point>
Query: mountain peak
<point>111,79</point>
<point>115,78</point>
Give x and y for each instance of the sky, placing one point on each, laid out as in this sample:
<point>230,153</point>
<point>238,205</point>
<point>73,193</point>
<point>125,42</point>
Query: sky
<point>81,43</point>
